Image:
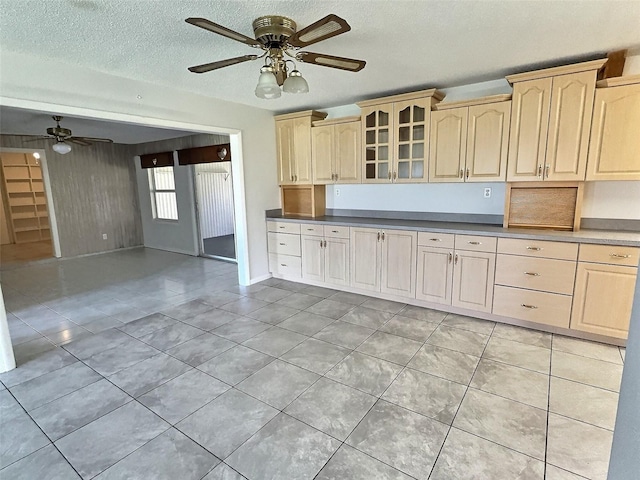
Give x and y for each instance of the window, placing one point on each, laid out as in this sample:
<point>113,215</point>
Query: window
<point>163,193</point>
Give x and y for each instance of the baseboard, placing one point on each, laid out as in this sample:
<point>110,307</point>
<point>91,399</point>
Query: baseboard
<point>259,279</point>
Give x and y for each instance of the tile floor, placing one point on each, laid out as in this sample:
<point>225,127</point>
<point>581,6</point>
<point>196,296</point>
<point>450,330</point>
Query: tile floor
<point>146,364</point>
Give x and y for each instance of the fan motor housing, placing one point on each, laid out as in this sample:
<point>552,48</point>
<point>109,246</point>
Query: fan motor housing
<point>272,29</point>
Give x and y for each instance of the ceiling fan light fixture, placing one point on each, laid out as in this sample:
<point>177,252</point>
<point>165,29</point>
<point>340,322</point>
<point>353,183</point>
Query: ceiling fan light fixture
<point>61,147</point>
<point>267,87</point>
<point>295,83</point>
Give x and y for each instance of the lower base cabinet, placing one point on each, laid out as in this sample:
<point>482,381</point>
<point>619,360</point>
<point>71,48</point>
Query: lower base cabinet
<point>325,260</point>
<point>384,261</point>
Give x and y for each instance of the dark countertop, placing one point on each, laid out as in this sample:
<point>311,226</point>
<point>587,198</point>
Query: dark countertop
<point>602,237</point>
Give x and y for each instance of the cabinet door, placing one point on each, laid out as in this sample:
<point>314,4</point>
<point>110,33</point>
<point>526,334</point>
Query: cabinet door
<point>312,258</point>
<point>399,249</point>
<point>377,140</point>
<point>488,142</point>
<point>473,274</point>
<point>347,138</point>
<point>411,137</point>
<point>284,144</point>
<point>603,298</point>
<point>529,125</point>
<point>302,150</point>
<point>336,261</point>
<point>615,142</point>
<point>365,258</point>
<point>448,140</point>
<point>435,266</point>
<point>569,125</point>
<point>322,158</point>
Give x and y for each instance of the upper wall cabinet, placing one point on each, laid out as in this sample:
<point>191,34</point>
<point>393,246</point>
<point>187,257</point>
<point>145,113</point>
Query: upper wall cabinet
<point>469,140</point>
<point>614,149</point>
<point>550,122</point>
<point>293,143</point>
<point>336,151</point>
<point>396,137</point>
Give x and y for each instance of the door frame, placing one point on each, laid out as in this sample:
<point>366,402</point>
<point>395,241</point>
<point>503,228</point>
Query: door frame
<point>235,139</point>
<point>200,237</point>
<point>53,224</point>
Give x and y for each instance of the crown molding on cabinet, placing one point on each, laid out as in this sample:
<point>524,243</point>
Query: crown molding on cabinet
<point>555,71</point>
<point>618,81</point>
<point>305,113</point>
<point>435,94</point>
<point>336,121</point>
<point>474,101</point>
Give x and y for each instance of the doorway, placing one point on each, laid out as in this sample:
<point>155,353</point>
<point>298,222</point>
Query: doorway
<point>215,210</point>
<point>25,228</point>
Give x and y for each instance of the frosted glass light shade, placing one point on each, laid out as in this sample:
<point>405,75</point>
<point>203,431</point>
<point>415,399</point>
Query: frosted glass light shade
<point>267,87</point>
<point>295,83</point>
<point>61,148</point>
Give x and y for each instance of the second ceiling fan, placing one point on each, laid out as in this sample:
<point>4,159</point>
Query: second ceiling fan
<point>278,37</point>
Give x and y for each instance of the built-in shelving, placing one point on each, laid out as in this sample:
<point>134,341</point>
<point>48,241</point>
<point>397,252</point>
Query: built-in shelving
<point>25,197</point>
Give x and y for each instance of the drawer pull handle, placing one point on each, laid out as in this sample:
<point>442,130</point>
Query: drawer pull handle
<point>475,243</point>
<point>435,239</point>
<point>335,231</point>
<point>533,274</point>
<point>310,229</point>
<point>281,227</point>
<point>283,264</point>
<point>617,255</point>
<point>283,244</point>
<point>533,307</point>
<point>535,249</point>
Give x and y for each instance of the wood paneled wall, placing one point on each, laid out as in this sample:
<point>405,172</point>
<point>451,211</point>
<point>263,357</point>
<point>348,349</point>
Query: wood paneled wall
<point>94,192</point>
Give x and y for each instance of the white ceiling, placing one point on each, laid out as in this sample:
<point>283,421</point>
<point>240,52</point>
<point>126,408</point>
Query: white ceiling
<point>15,121</point>
<point>407,44</point>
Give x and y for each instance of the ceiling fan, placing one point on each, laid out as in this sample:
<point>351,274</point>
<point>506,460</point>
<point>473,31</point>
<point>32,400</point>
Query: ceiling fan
<point>63,135</point>
<point>277,37</point>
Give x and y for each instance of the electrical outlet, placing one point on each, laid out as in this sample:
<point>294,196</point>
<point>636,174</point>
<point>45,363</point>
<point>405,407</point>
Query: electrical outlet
<point>104,236</point>
<point>337,192</point>
<point>487,192</point>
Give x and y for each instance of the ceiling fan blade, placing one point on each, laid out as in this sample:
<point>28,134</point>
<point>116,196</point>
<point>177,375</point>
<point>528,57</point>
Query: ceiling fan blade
<point>327,27</point>
<point>207,67</point>
<point>35,138</point>
<point>77,141</point>
<point>323,60</point>
<point>224,31</point>
<point>91,139</point>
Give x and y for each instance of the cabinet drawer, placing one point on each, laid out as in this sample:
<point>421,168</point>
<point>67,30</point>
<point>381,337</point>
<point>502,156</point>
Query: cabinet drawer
<point>442,240</point>
<point>336,232</point>
<point>285,265</point>
<point>284,244</point>
<point>539,307</point>
<point>283,227</point>
<point>535,248</point>
<point>544,274</point>
<point>311,229</point>
<point>611,254</point>
<point>476,243</point>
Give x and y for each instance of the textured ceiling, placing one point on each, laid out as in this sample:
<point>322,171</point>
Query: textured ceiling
<point>407,44</point>
<point>15,121</point>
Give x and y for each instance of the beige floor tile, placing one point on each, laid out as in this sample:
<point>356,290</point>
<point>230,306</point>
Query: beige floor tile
<point>585,348</point>
<point>586,370</point>
<point>518,354</point>
<point>512,382</point>
<point>583,402</point>
<point>445,363</point>
<point>578,447</point>
<point>555,473</point>
<point>522,335</point>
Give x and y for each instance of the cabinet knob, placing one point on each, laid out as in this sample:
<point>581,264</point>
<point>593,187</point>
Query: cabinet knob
<point>532,307</point>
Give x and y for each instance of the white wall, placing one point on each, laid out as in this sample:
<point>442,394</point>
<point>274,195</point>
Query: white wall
<point>42,84</point>
<point>617,200</point>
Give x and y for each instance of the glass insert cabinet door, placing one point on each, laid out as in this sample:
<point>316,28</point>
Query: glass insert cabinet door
<point>378,142</point>
<point>411,127</point>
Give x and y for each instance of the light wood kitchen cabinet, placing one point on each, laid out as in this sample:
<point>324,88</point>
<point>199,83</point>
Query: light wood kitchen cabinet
<point>615,141</point>
<point>550,122</point>
<point>396,137</point>
<point>605,287</point>
<point>325,259</point>
<point>384,261</point>
<point>469,140</point>
<point>293,144</point>
<point>336,151</point>
<point>462,277</point>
